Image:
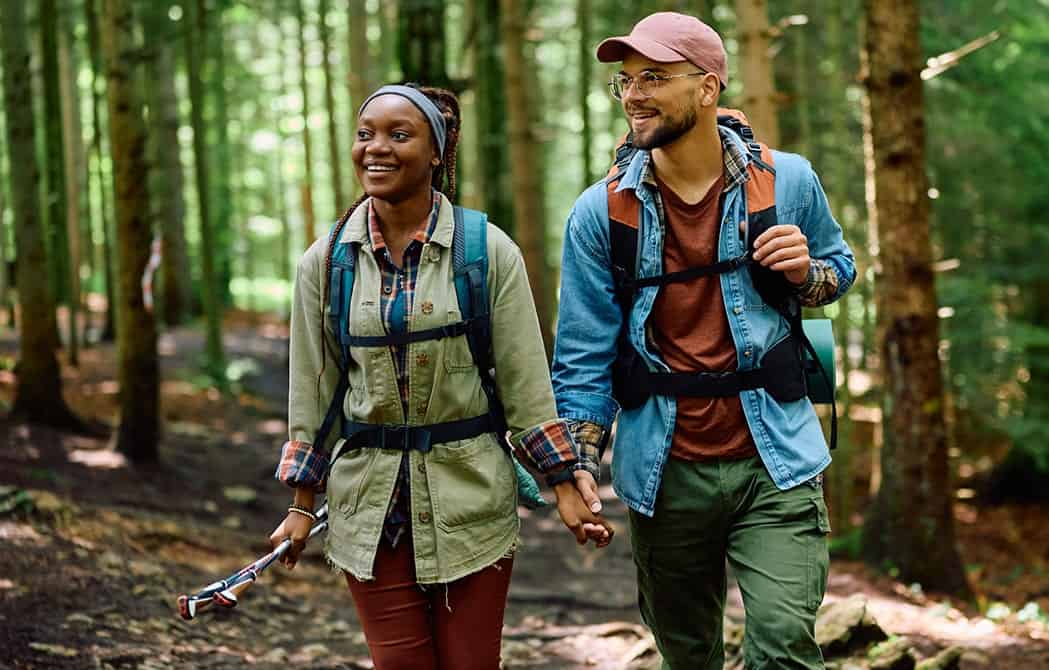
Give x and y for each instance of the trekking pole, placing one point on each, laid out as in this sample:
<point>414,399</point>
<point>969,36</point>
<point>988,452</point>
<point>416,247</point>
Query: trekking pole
<point>225,592</point>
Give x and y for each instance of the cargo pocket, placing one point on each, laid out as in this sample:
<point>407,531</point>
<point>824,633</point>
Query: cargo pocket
<point>456,350</point>
<point>347,478</point>
<point>819,555</point>
<point>471,481</point>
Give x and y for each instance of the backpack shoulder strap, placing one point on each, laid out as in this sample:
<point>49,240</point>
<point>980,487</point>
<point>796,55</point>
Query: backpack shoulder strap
<point>470,263</point>
<point>340,290</point>
<point>340,287</point>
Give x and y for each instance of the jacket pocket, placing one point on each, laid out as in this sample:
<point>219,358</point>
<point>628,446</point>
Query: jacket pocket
<point>471,481</point>
<point>347,478</point>
<point>456,350</point>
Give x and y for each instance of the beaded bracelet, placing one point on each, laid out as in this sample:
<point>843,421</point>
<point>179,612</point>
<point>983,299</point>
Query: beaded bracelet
<point>303,511</point>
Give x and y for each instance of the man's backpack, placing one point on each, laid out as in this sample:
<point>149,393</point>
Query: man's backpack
<point>801,365</point>
<point>470,263</point>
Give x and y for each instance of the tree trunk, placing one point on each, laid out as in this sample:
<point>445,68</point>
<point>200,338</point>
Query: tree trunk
<point>492,164</point>
<point>361,80</point>
<point>167,183</point>
<point>138,374</point>
<point>421,42</point>
<point>387,15</point>
<point>54,147</point>
<point>910,526</point>
<point>38,391</point>
<point>525,163</point>
<point>282,195</point>
<point>195,31</point>
<point>334,148</point>
<point>214,36</point>
<point>307,184</point>
<point>5,306</point>
<point>842,471</point>
<point>759,90</point>
<point>73,159</point>
<point>586,59</point>
<point>95,48</point>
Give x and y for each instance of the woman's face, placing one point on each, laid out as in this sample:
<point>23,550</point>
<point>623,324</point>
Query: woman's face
<point>394,152</point>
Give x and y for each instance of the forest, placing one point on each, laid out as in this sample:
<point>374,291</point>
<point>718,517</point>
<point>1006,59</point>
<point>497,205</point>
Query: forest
<point>165,163</point>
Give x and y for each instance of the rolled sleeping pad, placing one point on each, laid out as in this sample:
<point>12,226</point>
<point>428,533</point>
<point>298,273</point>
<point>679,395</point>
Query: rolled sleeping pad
<point>821,335</point>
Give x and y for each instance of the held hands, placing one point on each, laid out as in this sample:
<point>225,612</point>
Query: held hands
<point>297,527</point>
<point>580,509</point>
<point>784,248</point>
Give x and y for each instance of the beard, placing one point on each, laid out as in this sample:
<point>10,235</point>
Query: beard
<point>666,132</point>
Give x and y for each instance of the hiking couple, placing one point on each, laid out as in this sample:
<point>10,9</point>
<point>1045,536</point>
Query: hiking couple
<point>417,319</point>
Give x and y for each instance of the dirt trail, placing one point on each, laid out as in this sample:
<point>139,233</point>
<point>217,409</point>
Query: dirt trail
<point>90,570</point>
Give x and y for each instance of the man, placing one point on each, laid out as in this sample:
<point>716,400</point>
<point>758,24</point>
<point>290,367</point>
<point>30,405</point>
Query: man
<point>707,474</point>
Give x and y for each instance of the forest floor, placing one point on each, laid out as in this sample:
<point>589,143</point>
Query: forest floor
<point>90,569</point>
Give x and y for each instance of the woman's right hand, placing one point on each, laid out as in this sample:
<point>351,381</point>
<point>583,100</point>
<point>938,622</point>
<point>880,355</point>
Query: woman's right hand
<point>296,527</point>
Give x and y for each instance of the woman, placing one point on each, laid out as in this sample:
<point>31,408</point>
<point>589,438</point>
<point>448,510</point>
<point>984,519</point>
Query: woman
<point>425,534</point>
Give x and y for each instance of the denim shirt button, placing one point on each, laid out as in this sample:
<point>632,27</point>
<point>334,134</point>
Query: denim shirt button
<point>737,310</point>
<point>746,353</point>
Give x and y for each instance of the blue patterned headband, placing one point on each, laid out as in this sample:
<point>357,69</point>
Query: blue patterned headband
<point>425,105</point>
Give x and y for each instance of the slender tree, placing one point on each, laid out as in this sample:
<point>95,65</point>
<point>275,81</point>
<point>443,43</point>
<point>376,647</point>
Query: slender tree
<point>75,171</point>
<point>215,96</point>
<point>54,173</point>
<point>98,138</point>
<point>421,42</point>
<point>525,162</point>
<point>361,80</point>
<point>492,164</point>
<point>38,391</point>
<point>307,183</point>
<point>5,306</point>
<point>910,526</point>
<point>194,33</point>
<point>138,374</point>
<point>282,137</point>
<point>586,58</point>
<point>334,148</point>
<point>167,180</point>
<point>760,101</point>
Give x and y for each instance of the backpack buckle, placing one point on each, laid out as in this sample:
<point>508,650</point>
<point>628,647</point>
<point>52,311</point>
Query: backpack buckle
<point>395,436</point>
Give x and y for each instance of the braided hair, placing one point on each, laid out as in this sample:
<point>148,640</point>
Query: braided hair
<point>443,180</point>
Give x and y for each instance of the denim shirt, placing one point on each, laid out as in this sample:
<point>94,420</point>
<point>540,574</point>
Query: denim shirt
<point>788,436</point>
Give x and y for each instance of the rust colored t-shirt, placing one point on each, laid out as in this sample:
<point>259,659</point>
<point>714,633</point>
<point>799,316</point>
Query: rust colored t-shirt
<point>692,331</point>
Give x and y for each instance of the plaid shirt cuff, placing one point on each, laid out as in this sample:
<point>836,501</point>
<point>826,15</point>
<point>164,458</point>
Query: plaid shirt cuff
<point>547,445</point>
<point>591,439</point>
<point>302,465</point>
<point>820,286</point>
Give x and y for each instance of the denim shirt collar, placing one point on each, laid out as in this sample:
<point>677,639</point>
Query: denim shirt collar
<point>734,153</point>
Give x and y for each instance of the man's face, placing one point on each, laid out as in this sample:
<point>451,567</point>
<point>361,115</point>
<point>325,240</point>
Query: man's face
<point>666,109</point>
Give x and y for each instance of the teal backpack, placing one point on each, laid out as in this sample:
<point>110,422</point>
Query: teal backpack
<point>470,263</point>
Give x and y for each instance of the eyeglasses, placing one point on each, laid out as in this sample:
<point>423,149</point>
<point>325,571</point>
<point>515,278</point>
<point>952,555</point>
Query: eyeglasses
<point>644,83</point>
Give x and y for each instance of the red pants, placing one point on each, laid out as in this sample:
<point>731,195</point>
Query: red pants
<point>457,626</point>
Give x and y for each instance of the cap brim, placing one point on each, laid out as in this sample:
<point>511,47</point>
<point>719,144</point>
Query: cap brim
<point>615,49</point>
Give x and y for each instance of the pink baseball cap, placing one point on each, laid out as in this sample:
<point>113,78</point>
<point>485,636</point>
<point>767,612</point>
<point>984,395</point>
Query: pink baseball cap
<point>669,37</point>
